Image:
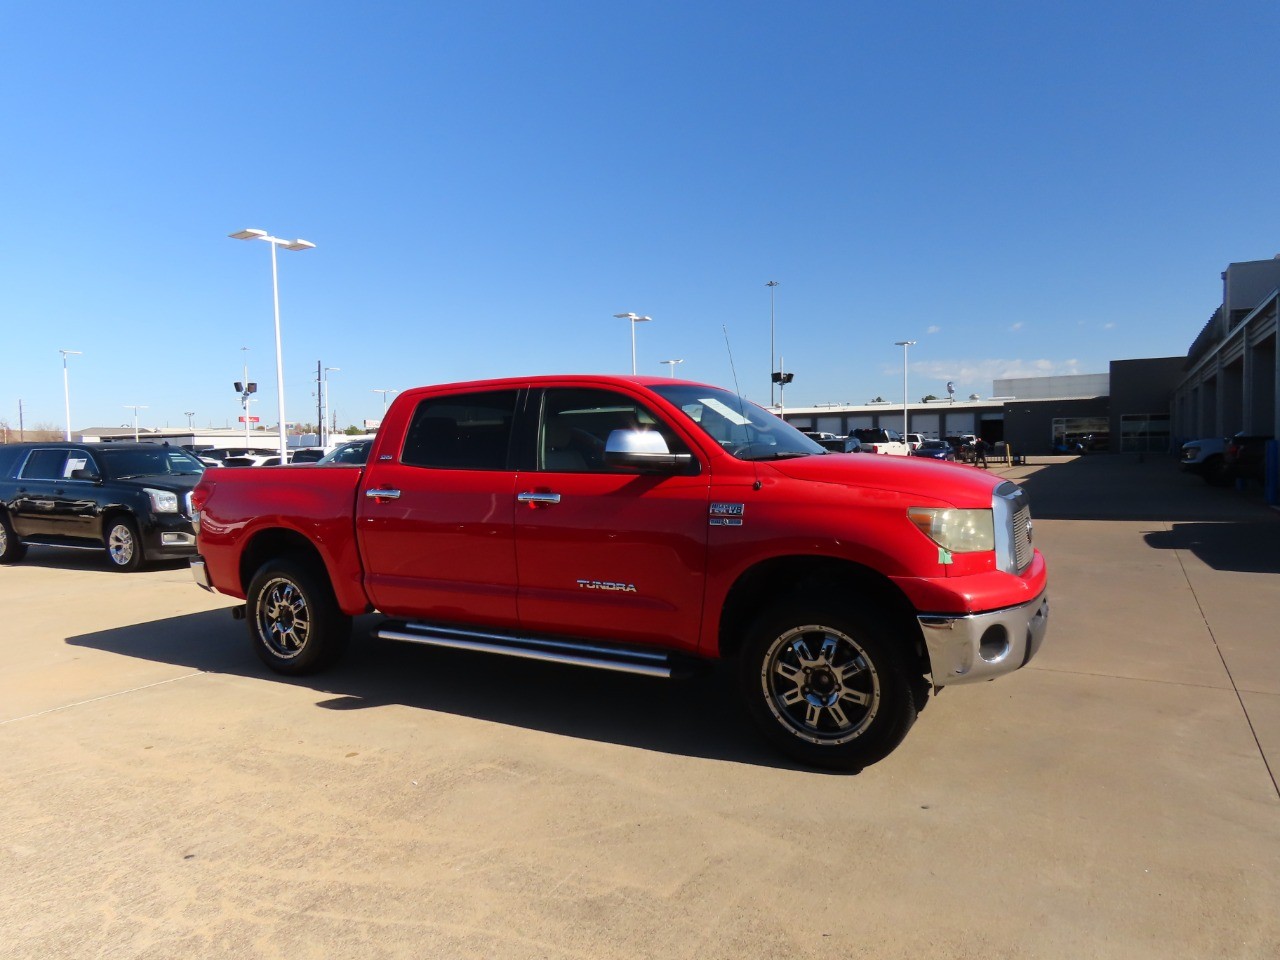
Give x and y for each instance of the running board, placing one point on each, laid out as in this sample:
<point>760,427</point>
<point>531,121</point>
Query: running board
<point>647,663</point>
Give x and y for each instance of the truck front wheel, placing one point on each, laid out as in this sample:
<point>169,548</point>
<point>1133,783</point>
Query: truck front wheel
<point>824,684</point>
<point>294,620</point>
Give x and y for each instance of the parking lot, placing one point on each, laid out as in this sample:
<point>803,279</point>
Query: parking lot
<point>165,796</point>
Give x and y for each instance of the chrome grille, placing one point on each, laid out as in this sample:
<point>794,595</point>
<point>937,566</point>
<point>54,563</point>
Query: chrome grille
<point>1022,549</point>
<point>1012,513</point>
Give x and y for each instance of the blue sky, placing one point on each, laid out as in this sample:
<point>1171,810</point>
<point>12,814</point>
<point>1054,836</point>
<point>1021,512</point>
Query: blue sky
<point>1021,188</point>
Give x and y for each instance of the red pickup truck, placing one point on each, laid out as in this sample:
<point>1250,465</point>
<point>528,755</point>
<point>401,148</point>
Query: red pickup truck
<point>641,524</point>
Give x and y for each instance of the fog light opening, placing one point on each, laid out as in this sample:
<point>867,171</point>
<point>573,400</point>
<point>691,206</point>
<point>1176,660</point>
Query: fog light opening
<point>994,645</point>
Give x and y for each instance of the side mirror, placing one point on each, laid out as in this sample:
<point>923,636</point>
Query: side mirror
<point>646,451</point>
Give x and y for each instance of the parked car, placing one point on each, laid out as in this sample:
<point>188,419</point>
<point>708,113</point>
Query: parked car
<point>254,459</point>
<point>639,525</point>
<point>306,455</point>
<point>131,499</point>
<point>1205,457</point>
<point>914,440</point>
<point>934,450</point>
<point>1245,457</point>
<point>878,440</point>
<point>353,452</point>
<point>842,445</point>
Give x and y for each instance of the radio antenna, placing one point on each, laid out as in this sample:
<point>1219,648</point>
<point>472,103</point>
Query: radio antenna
<point>734,370</point>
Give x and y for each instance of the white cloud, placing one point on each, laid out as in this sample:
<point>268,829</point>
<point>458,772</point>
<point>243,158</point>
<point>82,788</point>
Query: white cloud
<point>1016,326</point>
<point>980,373</point>
<point>1108,326</point>
<point>933,329</point>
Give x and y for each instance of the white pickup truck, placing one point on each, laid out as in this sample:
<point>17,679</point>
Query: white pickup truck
<point>877,440</point>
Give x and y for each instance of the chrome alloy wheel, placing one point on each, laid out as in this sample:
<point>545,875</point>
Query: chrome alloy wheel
<point>4,539</point>
<point>820,685</point>
<point>120,545</point>
<point>283,618</point>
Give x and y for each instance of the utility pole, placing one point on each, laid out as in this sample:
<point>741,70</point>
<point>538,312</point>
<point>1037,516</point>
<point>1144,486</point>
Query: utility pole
<point>22,430</point>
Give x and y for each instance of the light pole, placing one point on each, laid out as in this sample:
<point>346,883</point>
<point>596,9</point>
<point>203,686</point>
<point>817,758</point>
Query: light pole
<point>324,432</point>
<point>633,320</point>
<point>252,234</point>
<point>190,415</point>
<point>135,407</point>
<point>772,354</point>
<point>904,344</point>
<point>671,365</point>
<point>384,402</point>
<point>66,389</point>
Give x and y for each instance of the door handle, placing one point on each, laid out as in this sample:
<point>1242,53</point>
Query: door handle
<point>539,499</point>
<point>382,494</point>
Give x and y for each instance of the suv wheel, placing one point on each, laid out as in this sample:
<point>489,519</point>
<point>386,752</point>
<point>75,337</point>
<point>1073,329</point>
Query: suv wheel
<point>1216,473</point>
<point>124,545</point>
<point>825,685</point>
<point>11,548</point>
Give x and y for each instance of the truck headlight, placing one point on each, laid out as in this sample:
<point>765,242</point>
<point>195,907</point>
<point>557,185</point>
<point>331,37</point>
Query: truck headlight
<point>162,501</point>
<point>960,531</point>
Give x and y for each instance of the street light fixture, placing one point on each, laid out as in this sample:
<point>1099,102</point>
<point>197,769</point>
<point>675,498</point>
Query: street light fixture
<point>904,344</point>
<point>66,390</point>
<point>634,320</point>
<point>384,400</point>
<point>190,415</point>
<point>252,234</point>
<point>671,365</point>
<point>135,407</point>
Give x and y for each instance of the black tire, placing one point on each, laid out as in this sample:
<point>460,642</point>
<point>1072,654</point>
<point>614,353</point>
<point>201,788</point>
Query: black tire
<point>11,548</point>
<point>1216,473</point>
<point>825,685</point>
<point>124,545</point>
<point>294,620</point>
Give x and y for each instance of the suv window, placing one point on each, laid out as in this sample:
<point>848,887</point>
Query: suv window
<point>45,465</point>
<point>159,462</point>
<point>469,431</point>
<point>576,423</point>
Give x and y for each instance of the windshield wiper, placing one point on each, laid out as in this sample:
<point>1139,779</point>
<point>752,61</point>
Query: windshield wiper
<point>783,455</point>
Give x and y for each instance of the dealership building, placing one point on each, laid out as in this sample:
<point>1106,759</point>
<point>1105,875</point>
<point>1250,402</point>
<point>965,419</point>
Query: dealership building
<point>1224,385</point>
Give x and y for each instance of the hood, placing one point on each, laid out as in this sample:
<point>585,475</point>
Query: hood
<point>163,481</point>
<point>954,483</point>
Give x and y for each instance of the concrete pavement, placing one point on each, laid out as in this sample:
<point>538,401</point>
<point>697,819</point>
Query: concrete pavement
<point>164,796</point>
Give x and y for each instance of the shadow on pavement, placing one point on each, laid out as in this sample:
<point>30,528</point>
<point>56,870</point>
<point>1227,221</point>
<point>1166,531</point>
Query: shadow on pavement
<point>699,717</point>
<point>1242,547</point>
<point>1128,486</point>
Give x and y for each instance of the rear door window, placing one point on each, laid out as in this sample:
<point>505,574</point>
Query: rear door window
<point>45,465</point>
<point>469,431</point>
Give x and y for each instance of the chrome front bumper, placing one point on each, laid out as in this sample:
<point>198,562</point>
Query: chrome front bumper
<point>970,647</point>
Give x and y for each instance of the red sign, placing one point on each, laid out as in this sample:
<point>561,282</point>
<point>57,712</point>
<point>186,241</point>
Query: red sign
<point>251,419</point>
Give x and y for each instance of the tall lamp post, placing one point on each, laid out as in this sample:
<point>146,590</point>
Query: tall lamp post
<point>66,389</point>
<point>904,344</point>
<point>384,401</point>
<point>135,407</point>
<point>190,415</point>
<point>634,319</point>
<point>324,421</point>
<point>252,234</point>
<point>772,353</point>
<point>671,365</point>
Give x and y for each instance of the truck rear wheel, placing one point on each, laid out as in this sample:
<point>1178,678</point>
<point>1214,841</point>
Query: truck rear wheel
<point>294,620</point>
<point>824,684</point>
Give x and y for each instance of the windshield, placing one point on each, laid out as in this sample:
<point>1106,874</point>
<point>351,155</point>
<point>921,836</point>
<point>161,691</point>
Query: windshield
<point>747,431</point>
<point>158,462</point>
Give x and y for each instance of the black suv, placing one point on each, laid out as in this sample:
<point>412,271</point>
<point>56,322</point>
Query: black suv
<point>134,499</point>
